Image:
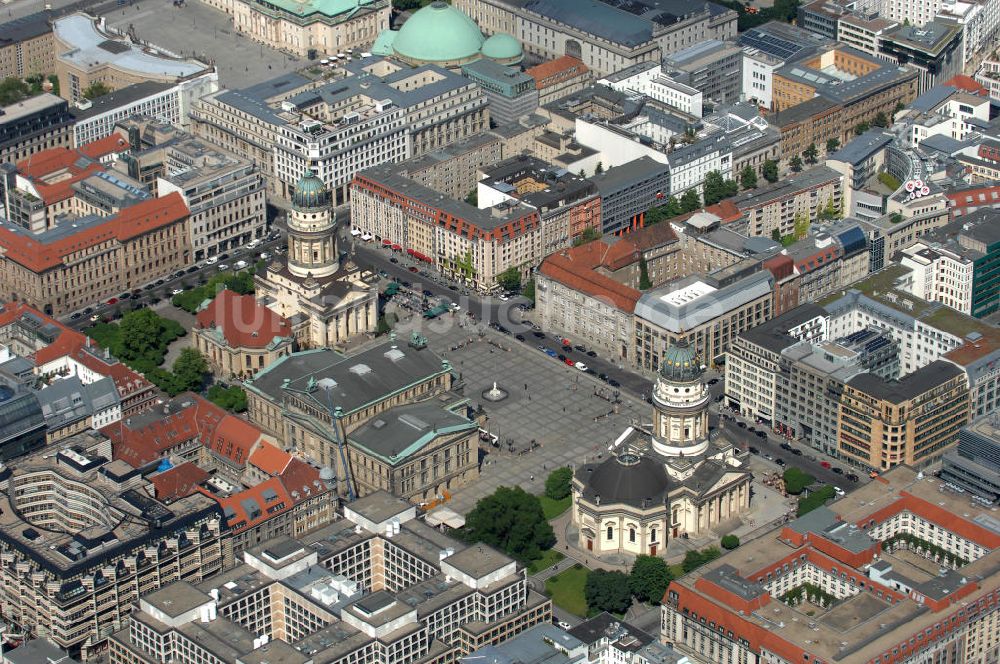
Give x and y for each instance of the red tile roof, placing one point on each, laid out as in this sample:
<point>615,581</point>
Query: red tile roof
<point>551,68</point>
<point>936,514</point>
<point>79,348</point>
<point>178,482</point>
<point>576,268</point>
<point>298,483</point>
<point>201,421</point>
<point>102,147</point>
<point>969,84</point>
<point>244,322</point>
<point>270,459</point>
<point>131,222</point>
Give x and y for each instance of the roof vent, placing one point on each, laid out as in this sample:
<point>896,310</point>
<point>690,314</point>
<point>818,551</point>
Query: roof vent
<point>360,369</point>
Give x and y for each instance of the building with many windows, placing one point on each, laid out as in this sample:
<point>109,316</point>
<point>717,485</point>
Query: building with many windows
<point>88,51</point>
<point>379,586</point>
<point>325,407</point>
<point>605,37</point>
<point>96,118</point>
<point>308,29</point>
<point>901,569</point>
<point>224,193</point>
<point>33,125</point>
<point>84,540</point>
<point>974,464</point>
<point>26,46</point>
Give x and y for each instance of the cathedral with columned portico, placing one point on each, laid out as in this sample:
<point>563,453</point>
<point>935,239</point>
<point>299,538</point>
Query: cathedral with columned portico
<point>324,297</point>
<point>664,479</point>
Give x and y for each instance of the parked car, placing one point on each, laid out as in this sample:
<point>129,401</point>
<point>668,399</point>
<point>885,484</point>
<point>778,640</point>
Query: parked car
<point>519,337</point>
<point>223,257</point>
<point>551,353</point>
<point>613,383</point>
<point>240,265</point>
<point>581,366</point>
<point>569,362</point>
<point>713,381</point>
<point>177,291</point>
<point>780,461</point>
<point>113,300</point>
<point>852,477</point>
<point>786,446</point>
<point>193,268</point>
<point>393,260</point>
<point>75,315</point>
<point>824,464</point>
<point>264,255</point>
<point>763,434</point>
<point>591,353</point>
<point>753,450</point>
<point>581,348</point>
<point>567,349</point>
<point>838,470</point>
<point>797,452</point>
<point>211,260</point>
<point>223,267</point>
<point>539,335</point>
<point>413,269</point>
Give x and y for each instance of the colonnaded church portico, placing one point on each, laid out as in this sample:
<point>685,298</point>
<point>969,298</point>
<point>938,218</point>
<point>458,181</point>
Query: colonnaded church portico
<point>666,479</point>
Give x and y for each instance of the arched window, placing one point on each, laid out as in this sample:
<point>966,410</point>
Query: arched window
<point>652,535</point>
<point>631,534</point>
<point>611,532</point>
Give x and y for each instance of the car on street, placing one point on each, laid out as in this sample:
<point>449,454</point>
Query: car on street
<point>797,452</point>
<point>551,353</point>
<point>569,362</point>
<point>427,293</point>
<point>840,492</point>
<point>223,267</point>
<point>713,381</point>
<point>581,348</point>
<point>76,314</point>
<point>838,470</point>
<point>160,282</point>
<point>786,446</point>
<point>742,425</point>
<point>240,265</point>
<point>613,383</point>
<point>539,335</point>
<point>519,337</point>
<point>753,450</point>
<point>264,255</point>
<point>95,318</point>
<point>780,461</point>
<point>591,353</point>
<point>567,349</point>
<point>177,291</point>
<point>824,464</point>
<point>852,477</point>
<point>393,260</point>
<point>124,296</point>
<point>223,257</point>
<point>503,298</point>
<point>763,434</point>
<point>565,625</point>
<point>211,260</point>
<point>603,376</point>
<point>562,358</point>
<point>413,269</point>
<point>88,311</point>
<point>581,366</point>
<point>113,300</point>
<point>193,268</point>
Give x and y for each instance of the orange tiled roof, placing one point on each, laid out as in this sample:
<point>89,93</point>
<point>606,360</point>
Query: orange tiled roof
<point>298,483</point>
<point>969,84</point>
<point>178,482</point>
<point>244,322</point>
<point>217,430</point>
<point>577,268</point>
<point>270,459</point>
<point>550,68</point>
<point>131,222</point>
<point>102,147</point>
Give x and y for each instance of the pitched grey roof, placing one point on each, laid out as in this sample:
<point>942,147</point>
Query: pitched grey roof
<point>773,334</point>
<point>399,432</point>
<point>910,386</point>
<point>862,147</point>
<point>353,380</point>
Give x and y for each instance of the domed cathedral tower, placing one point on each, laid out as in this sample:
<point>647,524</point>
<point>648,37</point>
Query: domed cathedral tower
<point>680,405</point>
<point>312,226</point>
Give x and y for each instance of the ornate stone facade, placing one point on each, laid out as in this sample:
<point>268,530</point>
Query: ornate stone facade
<point>670,479</point>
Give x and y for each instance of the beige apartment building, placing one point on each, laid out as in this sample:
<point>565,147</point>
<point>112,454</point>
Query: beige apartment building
<point>224,192</point>
<point>775,206</point>
<point>26,46</point>
<point>91,259</point>
<point>911,421</point>
<point>82,540</point>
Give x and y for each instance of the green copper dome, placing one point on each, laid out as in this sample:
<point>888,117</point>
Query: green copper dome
<point>438,33</point>
<point>680,363</point>
<point>310,192</point>
<point>502,46</point>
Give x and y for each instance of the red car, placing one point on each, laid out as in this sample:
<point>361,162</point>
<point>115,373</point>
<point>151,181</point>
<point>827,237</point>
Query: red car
<point>825,464</point>
<point>113,300</point>
<point>413,269</point>
<point>570,362</point>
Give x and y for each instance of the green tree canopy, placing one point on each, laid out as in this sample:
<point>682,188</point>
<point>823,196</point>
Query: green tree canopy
<point>795,163</point>
<point>190,369</point>
<point>599,168</point>
<point>748,177</point>
<point>649,578</point>
<point>815,499</point>
<point>770,170</point>
<point>861,128</point>
<point>511,520</point>
<point>13,90</point>
<point>510,279</point>
<point>796,480</point>
<point>588,234</point>
<point>832,144</point>
<point>810,153</point>
<point>96,89</point>
<point>690,201</point>
<point>716,188</point>
<point>232,398</point>
<point>557,484</point>
<point>644,282</point>
<point>730,542</point>
<point>472,198</point>
<point>607,591</point>
<point>529,289</point>
<point>668,210</point>
<point>881,120</point>
<point>695,559</point>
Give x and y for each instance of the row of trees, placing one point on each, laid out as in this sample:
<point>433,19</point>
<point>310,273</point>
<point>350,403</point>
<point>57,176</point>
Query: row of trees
<point>238,282</point>
<point>613,591</point>
<point>914,543</point>
<point>811,592</point>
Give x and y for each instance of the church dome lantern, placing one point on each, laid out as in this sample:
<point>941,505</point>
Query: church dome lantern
<point>310,192</point>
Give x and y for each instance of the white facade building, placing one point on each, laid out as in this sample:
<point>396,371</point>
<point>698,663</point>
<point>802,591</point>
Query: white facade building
<point>939,275</point>
<point>980,19</point>
<point>758,76</point>
<point>648,79</point>
<point>960,115</point>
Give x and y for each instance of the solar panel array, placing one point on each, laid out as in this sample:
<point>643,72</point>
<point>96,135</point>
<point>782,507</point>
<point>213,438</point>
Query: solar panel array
<point>776,46</point>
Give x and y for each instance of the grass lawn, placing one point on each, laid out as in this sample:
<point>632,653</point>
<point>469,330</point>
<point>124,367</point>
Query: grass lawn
<point>553,508</point>
<point>677,570</point>
<point>548,559</point>
<point>566,590</point>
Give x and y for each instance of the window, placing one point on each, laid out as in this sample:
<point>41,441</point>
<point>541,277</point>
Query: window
<point>631,534</point>
<point>611,532</point>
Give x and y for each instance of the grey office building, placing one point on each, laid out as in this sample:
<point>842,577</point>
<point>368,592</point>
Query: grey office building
<point>22,425</point>
<point>713,67</point>
<point>629,190</point>
<point>974,465</point>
